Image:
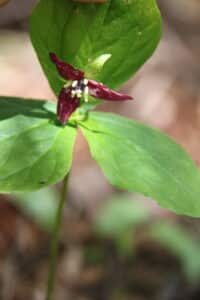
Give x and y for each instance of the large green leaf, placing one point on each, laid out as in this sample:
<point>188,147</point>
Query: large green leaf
<point>80,33</point>
<point>140,159</point>
<point>34,151</point>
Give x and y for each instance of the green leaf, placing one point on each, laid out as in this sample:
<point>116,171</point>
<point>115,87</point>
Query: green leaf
<point>138,158</point>
<point>34,151</point>
<point>120,215</point>
<point>80,33</point>
<point>180,242</point>
<point>118,219</point>
<point>41,206</point>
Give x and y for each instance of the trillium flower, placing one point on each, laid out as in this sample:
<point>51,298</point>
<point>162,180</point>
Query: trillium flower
<point>78,88</point>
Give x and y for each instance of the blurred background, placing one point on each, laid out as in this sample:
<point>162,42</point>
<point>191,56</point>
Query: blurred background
<point>114,245</point>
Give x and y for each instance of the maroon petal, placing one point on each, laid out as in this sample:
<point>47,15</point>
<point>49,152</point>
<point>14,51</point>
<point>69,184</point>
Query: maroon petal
<point>66,70</point>
<point>66,105</point>
<point>98,90</point>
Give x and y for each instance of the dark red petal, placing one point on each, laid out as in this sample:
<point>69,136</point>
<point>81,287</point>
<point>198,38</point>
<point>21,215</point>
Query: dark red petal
<point>66,105</point>
<point>98,90</point>
<point>66,70</point>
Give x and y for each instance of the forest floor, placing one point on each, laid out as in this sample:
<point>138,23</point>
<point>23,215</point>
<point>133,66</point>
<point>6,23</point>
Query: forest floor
<point>89,267</point>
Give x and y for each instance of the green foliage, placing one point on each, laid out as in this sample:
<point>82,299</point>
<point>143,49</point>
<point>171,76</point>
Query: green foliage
<point>109,42</point>
<point>40,206</point>
<point>129,31</point>
<point>119,215</point>
<point>34,151</point>
<point>138,158</point>
<point>118,220</point>
<point>180,242</point>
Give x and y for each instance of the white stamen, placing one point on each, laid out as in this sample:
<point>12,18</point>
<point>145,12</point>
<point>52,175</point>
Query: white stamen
<point>86,92</point>
<point>80,88</point>
<point>85,81</point>
<point>74,83</point>
<point>73,93</point>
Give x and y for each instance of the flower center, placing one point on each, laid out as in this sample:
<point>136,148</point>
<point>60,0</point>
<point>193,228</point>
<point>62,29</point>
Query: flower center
<point>79,89</point>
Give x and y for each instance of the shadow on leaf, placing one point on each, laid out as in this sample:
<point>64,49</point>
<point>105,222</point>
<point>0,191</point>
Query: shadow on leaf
<point>11,107</point>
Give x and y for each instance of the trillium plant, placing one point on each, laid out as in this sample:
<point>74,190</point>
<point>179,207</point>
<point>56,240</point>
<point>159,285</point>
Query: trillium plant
<point>87,51</point>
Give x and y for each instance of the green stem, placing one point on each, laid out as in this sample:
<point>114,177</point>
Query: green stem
<point>55,242</point>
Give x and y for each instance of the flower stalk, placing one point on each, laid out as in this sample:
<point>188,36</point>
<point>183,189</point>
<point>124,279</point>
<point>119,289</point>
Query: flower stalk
<point>55,241</point>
